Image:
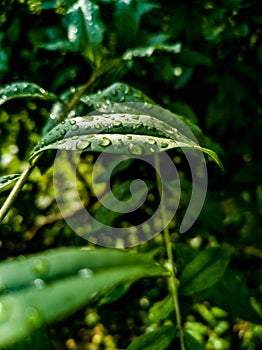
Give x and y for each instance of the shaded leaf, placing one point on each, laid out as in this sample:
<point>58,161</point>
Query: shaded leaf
<point>24,89</point>
<point>158,339</point>
<point>205,270</point>
<point>232,294</point>
<point>8,181</point>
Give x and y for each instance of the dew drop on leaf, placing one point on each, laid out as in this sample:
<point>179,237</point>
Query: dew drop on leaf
<point>151,141</point>
<point>74,127</point>
<point>63,132</point>
<point>105,142</point>
<point>135,148</point>
<point>164,144</point>
<point>72,121</point>
<point>40,266</point>
<point>82,144</point>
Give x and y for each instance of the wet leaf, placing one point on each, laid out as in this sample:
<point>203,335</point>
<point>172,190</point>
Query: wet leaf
<point>138,134</point>
<point>24,89</point>
<point>150,50</point>
<point>85,29</point>
<point>60,263</point>
<point>8,181</point>
<point>158,339</point>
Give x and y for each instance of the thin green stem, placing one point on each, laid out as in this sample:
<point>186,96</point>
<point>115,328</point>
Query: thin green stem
<point>173,282</point>
<point>16,189</point>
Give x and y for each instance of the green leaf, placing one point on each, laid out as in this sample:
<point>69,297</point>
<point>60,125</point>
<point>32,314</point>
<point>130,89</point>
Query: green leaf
<point>50,286</point>
<point>128,17</point>
<point>125,133</point>
<point>158,339</point>
<point>115,93</point>
<point>148,51</point>
<point>232,294</point>
<point>86,30</point>
<point>161,309</point>
<point>205,270</point>
<point>191,343</point>
<point>62,262</point>
<point>8,181</point>
<point>24,89</point>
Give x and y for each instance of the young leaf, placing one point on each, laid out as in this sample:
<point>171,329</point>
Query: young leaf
<point>86,30</point>
<point>24,89</point>
<point>158,339</point>
<point>206,269</point>
<point>161,309</point>
<point>8,181</point>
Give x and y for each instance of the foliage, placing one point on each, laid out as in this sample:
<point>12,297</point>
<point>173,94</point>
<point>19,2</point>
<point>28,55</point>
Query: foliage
<point>139,78</point>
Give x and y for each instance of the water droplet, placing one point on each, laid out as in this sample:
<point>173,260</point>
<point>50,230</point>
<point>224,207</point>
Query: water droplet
<point>129,137</point>
<point>151,141</point>
<point>135,149</point>
<point>117,124</point>
<point>75,137</point>
<point>43,142</point>
<point>99,92</point>
<point>5,311</point>
<point>42,91</point>
<point>82,144</point>
<point>105,142</point>
<point>60,142</point>
<point>39,283</point>
<point>85,273</point>
<point>135,116</point>
<point>63,132</point>
<point>40,266</point>
<point>89,117</point>
<point>152,150</point>
<point>72,121</point>
<point>74,127</point>
<point>164,144</point>
<point>97,126</point>
<point>33,317</point>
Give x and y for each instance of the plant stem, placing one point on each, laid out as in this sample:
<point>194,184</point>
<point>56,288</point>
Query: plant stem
<point>16,189</point>
<point>173,282</point>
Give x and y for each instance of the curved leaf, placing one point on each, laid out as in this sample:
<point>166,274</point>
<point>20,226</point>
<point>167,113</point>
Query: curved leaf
<point>122,133</point>
<point>8,181</point>
<point>24,89</point>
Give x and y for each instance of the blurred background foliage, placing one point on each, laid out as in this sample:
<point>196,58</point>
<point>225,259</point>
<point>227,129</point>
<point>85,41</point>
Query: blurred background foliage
<point>214,79</point>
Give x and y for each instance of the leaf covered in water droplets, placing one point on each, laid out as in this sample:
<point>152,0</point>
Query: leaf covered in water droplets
<point>148,51</point>
<point>24,89</point>
<point>86,30</point>
<point>8,181</point>
<point>126,133</point>
<point>116,93</point>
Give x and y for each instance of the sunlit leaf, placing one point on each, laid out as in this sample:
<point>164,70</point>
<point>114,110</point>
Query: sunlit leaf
<point>161,309</point>
<point>206,269</point>
<point>24,89</point>
<point>85,29</point>
<point>158,339</point>
<point>149,50</point>
<point>125,133</point>
<point>8,181</point>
